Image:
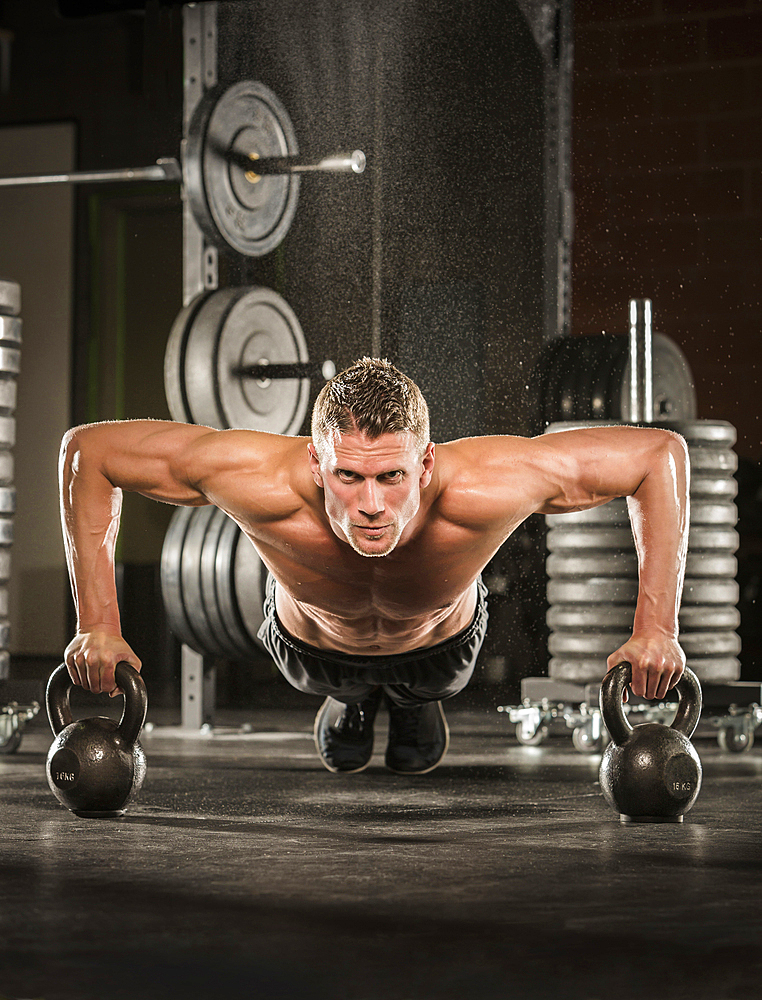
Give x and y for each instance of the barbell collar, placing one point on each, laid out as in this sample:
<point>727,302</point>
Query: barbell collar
<point>165,169</point>
<point>256,166</point>
<point>265,372</point>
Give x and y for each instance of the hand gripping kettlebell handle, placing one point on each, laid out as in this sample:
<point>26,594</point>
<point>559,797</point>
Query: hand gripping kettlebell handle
<point>129,682</point>
<point>612,690</point>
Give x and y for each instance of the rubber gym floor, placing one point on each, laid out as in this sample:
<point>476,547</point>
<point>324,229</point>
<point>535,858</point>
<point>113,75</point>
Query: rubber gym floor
<point>244,869</point>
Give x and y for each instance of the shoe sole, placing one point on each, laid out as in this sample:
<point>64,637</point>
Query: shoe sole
<point>427,770</point>
<point>323,761</point>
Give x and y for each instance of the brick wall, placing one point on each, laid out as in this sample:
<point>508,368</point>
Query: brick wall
<point>667,165</point>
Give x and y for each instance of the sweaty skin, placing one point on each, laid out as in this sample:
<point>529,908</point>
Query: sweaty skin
<point>375,546</point>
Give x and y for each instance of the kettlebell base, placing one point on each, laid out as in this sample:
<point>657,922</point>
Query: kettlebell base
<point>623,818</point>
<point>98,813</point>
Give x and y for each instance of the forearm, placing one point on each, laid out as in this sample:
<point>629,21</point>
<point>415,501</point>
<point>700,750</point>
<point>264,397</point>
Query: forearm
<point>659,512</point>
<point>90,511</point>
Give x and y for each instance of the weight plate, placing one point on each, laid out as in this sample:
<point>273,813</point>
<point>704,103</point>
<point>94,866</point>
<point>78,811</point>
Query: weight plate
<point>7,432</point>
<point>701,539</point>
<point>588,670</point>
<point>600,389</point>
<point>231,207</point>
<point>575,537</point>
<point>623,564</point>
<point>174,361</point>
<point>250,579</point>
<point>171,581</point>
<point>4,603</point>
<point>567,381</point>
<point>703,432</point>
<point>6,531</point>
<point>10,360</point>
<point>612,513</point>
<point>558,367</point>
<point>5,665</point>
<point>714,487</point>
<point>713,460</point>
<point>716,670</point>
<point>595,643</point>
<point>7,500</point>
<point>261,328</point>
<point>239,327</point>
<point>10,298</point>
<point>721,591</point>
<point>563,644</point>
<point>8,394</point>
<point>190,578</point>
<point>581,617</point>
<point>227,598</point>
<point>5,564</point>
<point>727,643</point>
<point>10,329</point>
<point>703,512</point>
<point>608,617</point>
<point>6,468</point>
<point>591,670</point>
<point>706,512</point>
<point>208,577</point>
<point>703,616</point>
<point>593,591</point>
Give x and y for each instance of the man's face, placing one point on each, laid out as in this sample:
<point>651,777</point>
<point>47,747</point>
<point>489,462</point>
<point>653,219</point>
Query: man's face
<point>372,487</point>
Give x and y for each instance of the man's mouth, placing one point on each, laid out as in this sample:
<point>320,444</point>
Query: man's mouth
<point>371,530</point>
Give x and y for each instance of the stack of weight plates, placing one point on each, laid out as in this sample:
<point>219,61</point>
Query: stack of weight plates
<point>593,572</point>
<point>10,356</point>
<point>588,378</point>
<point>212,583</point>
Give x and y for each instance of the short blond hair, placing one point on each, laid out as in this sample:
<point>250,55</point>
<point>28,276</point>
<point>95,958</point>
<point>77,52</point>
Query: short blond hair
<point>373,397</point>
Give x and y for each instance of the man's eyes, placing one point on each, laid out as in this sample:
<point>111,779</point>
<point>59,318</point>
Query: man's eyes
<point>385,476</point>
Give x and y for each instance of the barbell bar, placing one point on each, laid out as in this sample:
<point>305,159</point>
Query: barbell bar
<point>264,371</point>
<point>168,169</point>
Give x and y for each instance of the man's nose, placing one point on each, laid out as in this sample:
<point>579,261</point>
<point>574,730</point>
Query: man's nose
<point>371,498</point>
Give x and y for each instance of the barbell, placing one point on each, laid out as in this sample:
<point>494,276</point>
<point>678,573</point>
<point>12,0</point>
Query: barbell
<point>240,170</point>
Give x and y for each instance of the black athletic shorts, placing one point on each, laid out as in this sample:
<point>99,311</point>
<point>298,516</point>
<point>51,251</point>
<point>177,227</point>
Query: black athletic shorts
<point>428,674</point>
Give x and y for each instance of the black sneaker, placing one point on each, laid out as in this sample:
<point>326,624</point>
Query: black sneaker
<point>344,733</point>
<point>418,737</point>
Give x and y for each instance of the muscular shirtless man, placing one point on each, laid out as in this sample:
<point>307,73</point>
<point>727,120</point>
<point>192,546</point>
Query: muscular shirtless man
<point>375,542</point>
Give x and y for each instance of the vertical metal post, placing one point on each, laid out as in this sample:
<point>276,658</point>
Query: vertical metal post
<point>641,362</point>
<point>200,73</point>
<point>198,676</point>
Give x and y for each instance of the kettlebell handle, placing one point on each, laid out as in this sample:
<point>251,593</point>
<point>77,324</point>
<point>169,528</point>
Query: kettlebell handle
<point>129,682</point>
<point>612,690</point>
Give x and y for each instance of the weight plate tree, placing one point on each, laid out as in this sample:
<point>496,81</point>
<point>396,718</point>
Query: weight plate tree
<point>593,573</point>
<point>212,583</point>
<point>214,344</point>
<point>235,206</point>
<point>10,360</point>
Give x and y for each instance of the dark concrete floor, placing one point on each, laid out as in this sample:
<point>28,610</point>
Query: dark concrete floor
<point>246,870</point>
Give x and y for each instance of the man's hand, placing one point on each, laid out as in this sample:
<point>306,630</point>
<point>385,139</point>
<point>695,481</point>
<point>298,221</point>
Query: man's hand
<point>657,663</point>
<point>92,656</point>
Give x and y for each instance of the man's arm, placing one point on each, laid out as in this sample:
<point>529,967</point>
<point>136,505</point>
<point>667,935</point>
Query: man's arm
<point>96,463</point>
<point>171,462</point>
<point>650,467</point>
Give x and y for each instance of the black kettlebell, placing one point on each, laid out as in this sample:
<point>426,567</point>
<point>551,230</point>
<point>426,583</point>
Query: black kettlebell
<point>95,765</point>
<point>650,773</point>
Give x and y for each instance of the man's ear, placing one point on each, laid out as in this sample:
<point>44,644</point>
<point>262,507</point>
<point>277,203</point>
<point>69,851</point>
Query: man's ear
<point>428,465</point>
<point>315,464</point>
